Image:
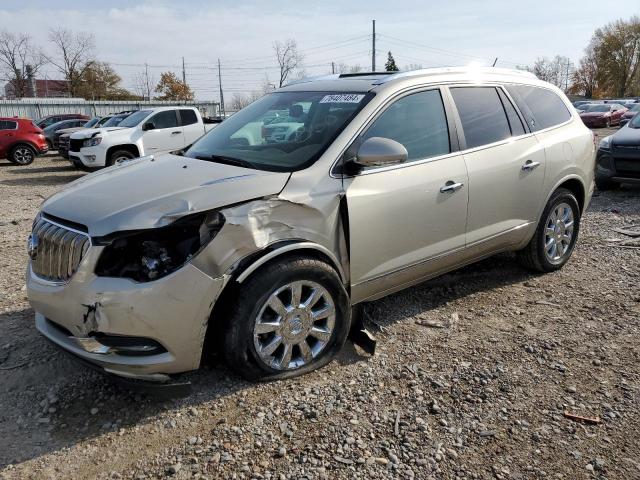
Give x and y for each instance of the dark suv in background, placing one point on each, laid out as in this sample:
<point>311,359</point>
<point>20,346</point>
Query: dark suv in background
<point>618,157</point>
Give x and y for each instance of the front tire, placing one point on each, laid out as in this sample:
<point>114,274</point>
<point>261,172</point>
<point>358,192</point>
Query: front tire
<point>22,155</point>
<point>119,155</point>
<point>555,237</point>
<point>288,319</point>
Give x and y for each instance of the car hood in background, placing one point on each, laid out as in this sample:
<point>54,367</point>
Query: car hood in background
<point>91,132</point>
<point>626,136</point>
<point>150,193</point>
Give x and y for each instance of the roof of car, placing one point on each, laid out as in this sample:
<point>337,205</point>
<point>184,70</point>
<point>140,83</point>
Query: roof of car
<point>367,81</point>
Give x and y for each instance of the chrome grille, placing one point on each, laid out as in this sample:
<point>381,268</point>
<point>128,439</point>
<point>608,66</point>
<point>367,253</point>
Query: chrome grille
<point>56,251</point>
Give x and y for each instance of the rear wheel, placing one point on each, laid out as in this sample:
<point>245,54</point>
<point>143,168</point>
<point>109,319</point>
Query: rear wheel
<point>288,319</point>
<point>556,234</point>
<point>118,156</point>
<point>22,155</point>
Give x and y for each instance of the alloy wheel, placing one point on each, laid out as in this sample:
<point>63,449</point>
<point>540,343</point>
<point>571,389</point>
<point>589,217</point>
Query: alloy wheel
<point>558,233</point>
<point>23,155</point>
<point>294,325</point>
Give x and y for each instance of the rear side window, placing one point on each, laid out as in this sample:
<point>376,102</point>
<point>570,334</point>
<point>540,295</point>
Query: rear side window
<point>188,117</point>
<point>541,107</point>
<point>416,121</point>
<point>166,119</point>
<point>8,125</point>
<point>482,115</point>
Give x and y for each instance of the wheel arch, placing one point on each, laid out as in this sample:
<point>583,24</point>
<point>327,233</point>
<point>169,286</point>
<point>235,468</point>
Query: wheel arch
<point>26,143</point>
<point>575,185</point>
<point>130,147</point>
<point>248,266</point>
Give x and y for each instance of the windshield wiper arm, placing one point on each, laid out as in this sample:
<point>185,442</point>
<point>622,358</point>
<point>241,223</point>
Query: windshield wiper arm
<point>238,162</point>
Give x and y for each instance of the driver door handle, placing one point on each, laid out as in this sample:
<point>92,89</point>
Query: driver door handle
<point>530,165</point>
<point>451,186</point>
<point>175,133</point>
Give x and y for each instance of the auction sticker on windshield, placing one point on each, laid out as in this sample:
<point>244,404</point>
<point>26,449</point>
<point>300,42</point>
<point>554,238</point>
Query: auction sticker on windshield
<point>342,98</point>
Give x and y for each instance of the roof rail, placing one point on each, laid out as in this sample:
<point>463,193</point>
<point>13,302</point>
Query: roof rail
<point>331,76</point>
<point>445,70</point>
<point>363,74</point>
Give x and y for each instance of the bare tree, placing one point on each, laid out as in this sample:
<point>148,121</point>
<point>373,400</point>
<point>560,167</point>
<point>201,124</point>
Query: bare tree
<point>143,84</point>
<point>74,54</point>
<point>240,100</point>
<point>20,61</point>
<point>289,59</point>
<point>557,70</point>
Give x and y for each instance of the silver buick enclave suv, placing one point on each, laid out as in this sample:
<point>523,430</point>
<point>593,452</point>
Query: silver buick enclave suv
<point>266,232</point>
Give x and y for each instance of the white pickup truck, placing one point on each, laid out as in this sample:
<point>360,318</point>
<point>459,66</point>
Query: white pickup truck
<point>145,132</point>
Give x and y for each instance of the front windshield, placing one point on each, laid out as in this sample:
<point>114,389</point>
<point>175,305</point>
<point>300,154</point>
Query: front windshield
<point>599,108</point>
<point>635,121</point>
<point>135,118</point>
<point>115,121</point>
<point>91,122</point>
<point>635,107</point>
<point>282,131</point>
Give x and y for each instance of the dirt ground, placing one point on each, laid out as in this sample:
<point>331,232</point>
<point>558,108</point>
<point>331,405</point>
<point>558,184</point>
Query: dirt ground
<point>472,377</point>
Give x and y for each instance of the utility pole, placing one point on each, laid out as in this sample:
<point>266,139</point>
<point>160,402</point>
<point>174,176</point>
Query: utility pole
<point>333,67</point>
<point>146,74</point>
<point>221,95</point>
<point>566,77</point>
<point>494,62</point>
<point>184,78</point>
<point>373,49</point>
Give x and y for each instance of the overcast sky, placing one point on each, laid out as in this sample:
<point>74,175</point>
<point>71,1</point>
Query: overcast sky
<point>241,33</point>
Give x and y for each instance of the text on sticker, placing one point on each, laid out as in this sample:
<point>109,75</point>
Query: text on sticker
<point>342,98</point>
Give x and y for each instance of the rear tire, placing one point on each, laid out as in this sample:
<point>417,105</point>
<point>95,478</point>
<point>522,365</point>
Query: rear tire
<point>253,327</point>
<point>22,155</point>
<point>119,155</point>
<point>555,237</point>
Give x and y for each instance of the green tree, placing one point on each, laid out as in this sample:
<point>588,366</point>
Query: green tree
<point>391,66</point>
<point>170,88</point>
<point>611,64</point>
<point>99,81</point>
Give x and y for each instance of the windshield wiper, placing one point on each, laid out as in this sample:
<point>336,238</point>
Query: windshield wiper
<point>238,162</point>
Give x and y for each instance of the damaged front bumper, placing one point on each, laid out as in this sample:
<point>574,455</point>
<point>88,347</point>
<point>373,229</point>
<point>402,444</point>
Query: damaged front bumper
<point>161,325</point>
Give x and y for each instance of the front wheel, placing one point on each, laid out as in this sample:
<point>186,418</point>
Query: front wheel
<point>556,234</point>
<point>288,319</point>
<point>22,155</point>
<point>119,156</point>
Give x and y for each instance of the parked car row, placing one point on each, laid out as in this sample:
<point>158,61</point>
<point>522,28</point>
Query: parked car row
<point>607,113</point>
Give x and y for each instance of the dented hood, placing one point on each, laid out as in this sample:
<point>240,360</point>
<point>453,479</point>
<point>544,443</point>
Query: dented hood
<point>153,192</point>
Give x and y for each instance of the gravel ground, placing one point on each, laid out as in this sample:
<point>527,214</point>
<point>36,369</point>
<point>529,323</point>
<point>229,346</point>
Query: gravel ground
<point>472,377</point>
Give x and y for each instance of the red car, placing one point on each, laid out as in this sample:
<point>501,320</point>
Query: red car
<point>21,140</point>
<point>603,114</point>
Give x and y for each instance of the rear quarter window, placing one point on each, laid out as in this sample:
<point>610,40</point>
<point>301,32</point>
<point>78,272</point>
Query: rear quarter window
<point>188,117</point>
<point>541,107</point>
<point>8,125</point>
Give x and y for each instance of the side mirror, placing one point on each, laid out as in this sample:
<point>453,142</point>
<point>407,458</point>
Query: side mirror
<point>380,152</point>
<point>148,126</point>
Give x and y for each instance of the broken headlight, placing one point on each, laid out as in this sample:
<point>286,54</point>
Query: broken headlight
<point>147,255</point>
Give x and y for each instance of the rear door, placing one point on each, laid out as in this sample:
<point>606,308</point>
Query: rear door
<point>192,128</point>
<point>8,130</point>
<point>167,134</point>
<point>505,163</point>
